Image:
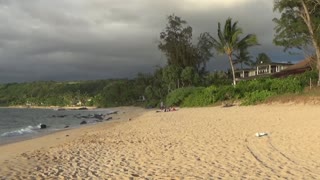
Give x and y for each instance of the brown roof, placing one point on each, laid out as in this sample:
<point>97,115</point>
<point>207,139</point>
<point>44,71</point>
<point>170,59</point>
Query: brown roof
<point>298,68</point>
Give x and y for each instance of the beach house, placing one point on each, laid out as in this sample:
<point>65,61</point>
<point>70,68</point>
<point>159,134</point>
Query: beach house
<point>263,69</point>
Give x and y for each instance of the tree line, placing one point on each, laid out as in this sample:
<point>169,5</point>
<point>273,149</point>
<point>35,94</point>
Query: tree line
<point>144,90</point>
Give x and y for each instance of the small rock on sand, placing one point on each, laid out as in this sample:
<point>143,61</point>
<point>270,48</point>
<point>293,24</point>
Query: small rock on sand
<point>83,122</point>
<point>43,126</point>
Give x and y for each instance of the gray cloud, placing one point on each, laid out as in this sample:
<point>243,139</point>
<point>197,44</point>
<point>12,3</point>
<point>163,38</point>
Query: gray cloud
<point>98,39</point>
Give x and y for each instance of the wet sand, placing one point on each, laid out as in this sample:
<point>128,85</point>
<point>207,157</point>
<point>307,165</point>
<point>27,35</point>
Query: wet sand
<point>191,143</point>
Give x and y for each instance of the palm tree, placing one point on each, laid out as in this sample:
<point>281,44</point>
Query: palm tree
<point>262,58</point>
<point>229,41</point>
<point>243,57</point>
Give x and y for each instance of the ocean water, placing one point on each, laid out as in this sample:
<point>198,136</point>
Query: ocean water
<point>21,124</point>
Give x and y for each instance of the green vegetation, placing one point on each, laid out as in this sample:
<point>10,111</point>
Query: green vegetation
<point>200,97</point>
<point>109,93</point>
<point>246,92</point>
<point>256,97</point>
<point>186,61</point>
<point>86,93</point>
<point>176,44</point>
<point>175,98</point>
<point>262,58</point>
<point>243,58</point>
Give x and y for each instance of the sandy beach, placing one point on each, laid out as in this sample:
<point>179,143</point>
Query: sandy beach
<point>191,143</point>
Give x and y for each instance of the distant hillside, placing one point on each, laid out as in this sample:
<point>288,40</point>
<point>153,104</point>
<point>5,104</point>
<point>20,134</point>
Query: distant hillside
<point>81,93</point>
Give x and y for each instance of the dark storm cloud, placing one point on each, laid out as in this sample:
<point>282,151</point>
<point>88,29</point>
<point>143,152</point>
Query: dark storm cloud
<point>98,39</point>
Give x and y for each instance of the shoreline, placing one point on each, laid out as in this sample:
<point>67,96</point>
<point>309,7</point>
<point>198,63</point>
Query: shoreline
<point>19,139</point>
<point>60,136</point>
<point>38,132</point>
<point>52,107</point>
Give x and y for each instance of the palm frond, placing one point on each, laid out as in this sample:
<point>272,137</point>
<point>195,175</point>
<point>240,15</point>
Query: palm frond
<point>248,41</point>
<point>235,38</point>
<point>220,35</point>
<point>235,26</point>
<point>218,47</point>
<point>227,30</point>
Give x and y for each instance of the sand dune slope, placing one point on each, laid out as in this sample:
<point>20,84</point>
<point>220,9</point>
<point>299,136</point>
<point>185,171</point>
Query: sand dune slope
<point>195,143</point>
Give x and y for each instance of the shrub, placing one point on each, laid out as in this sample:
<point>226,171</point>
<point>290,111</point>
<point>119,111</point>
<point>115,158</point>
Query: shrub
<point>200,97</point>
<point>305,78</point>
<point>256,96</point>
<point>151,103</point>
<point>287,85</point>
<point>251,92</point>
<point>260,84</point>
<point>225,93</point>
<point>176,97</point>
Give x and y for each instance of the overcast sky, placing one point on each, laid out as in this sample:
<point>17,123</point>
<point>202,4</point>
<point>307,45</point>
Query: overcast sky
<point>100,39</point>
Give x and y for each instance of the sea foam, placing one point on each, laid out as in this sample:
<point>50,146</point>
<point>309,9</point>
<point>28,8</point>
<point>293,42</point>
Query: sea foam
<point>23,131</point>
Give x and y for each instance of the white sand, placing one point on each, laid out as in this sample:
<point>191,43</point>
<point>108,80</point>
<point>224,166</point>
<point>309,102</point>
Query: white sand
<point>195,143</point>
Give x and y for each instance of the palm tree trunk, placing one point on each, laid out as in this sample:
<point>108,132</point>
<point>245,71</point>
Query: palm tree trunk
<point>232,69</point>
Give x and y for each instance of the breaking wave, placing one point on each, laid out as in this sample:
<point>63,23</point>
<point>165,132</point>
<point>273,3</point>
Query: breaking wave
<point>23,131</point>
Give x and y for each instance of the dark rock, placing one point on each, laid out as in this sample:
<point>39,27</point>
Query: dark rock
<point>43,126</point>
<point>59,116</point>
<point>83,122</point>
<point>82,108</point>
<point>98,116</point>
<point>109,118</point>
<point>66,127</point>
